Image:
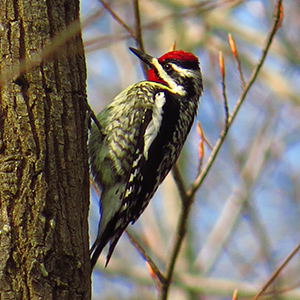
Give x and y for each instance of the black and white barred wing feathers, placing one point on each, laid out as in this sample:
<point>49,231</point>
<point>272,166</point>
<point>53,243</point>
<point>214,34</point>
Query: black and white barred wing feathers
<point>142,133</point>
<point>125,139</point>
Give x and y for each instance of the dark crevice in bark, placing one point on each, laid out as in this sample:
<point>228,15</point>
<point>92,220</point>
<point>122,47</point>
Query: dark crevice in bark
<point>43,158</point>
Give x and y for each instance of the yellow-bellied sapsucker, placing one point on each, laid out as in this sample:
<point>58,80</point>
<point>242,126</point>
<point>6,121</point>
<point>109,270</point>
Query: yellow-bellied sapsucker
<point>142,133</point>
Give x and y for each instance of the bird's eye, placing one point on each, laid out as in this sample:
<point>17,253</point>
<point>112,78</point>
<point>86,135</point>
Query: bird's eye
<point>168,67</point>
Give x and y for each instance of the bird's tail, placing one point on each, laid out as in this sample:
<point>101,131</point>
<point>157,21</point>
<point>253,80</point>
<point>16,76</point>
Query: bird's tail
<point>111,226</point>
<point>110,235</point>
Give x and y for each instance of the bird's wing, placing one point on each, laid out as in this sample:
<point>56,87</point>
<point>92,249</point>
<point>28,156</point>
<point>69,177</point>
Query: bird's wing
<point>122,145</point>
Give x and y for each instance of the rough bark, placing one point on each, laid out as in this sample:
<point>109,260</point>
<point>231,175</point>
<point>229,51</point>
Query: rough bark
<point>44,188</point>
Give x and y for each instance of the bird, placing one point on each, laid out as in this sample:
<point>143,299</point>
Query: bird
<point>138,140</point>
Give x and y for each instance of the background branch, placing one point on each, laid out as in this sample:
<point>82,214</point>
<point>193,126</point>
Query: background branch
<point>257,158</point>
<point>182,223</point>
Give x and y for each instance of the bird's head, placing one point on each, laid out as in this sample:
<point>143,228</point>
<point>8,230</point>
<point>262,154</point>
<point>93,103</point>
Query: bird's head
<point>178,70</point>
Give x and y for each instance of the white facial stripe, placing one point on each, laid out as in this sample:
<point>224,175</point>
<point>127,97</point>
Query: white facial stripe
<point>183,71</point>
<point>178,89</point>
<point>154,125</point>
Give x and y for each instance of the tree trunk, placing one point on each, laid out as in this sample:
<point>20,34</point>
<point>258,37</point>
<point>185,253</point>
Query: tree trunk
<point>44,180</point>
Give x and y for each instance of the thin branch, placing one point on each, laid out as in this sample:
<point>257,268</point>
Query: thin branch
<point>103,41</point>
<point>200,147</point>
<point>194,9</point>
<point>179,183</point>
<point>237,201</point>
<point>153,266</point>
<point>277,271</point>
<point>138,33</point>
<point>198,181</point>
<point>117,18</point>
<point>222,71</point>
<point>138,26</point>
<point>175,249</point>
<point>234,295</point>
<point>236,58</point>
<point>93,116</point>
<point>207,143</point>
<point>182,222</point>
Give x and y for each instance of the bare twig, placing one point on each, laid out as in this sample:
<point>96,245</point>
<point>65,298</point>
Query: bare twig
<point>153,266</point>
<point>207,142</point>
<point>222,71</point>
<point>173,47</point>
<point>175,249</point>
<point>138,32</point>
<point>277,271</point>
<point>194,9</point>
<point>117,18</point>
<point>182,222</point>
<point>200,147</point>
<point>93,116</point>
<point>236,58</point>
<point>179,183</point>
<point>138,26</point>
<point>103,41</point>
<point>234,295</point>
<point>198,181</point>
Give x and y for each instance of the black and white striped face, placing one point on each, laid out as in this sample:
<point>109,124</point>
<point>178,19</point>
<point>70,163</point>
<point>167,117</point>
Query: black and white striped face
<point>183,77</point>
<point>178,70</point>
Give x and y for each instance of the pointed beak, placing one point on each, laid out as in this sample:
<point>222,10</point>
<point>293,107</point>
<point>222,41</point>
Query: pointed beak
<point>143,56</point>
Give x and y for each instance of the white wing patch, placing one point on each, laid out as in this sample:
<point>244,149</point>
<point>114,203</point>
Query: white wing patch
<point>154,125</point>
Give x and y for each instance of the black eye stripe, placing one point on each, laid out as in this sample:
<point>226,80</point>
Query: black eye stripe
<point>192,65</point>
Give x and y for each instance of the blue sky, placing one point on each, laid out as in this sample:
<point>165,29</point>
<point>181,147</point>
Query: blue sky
<point>259,160</point>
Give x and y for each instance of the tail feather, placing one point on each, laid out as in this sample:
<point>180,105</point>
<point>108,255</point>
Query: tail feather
<point>110,206</point>
<point>112,246</point>
<point>110,235</point>
<point>97,248</point>
<point>95,254</point>
<point>102,240</point>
